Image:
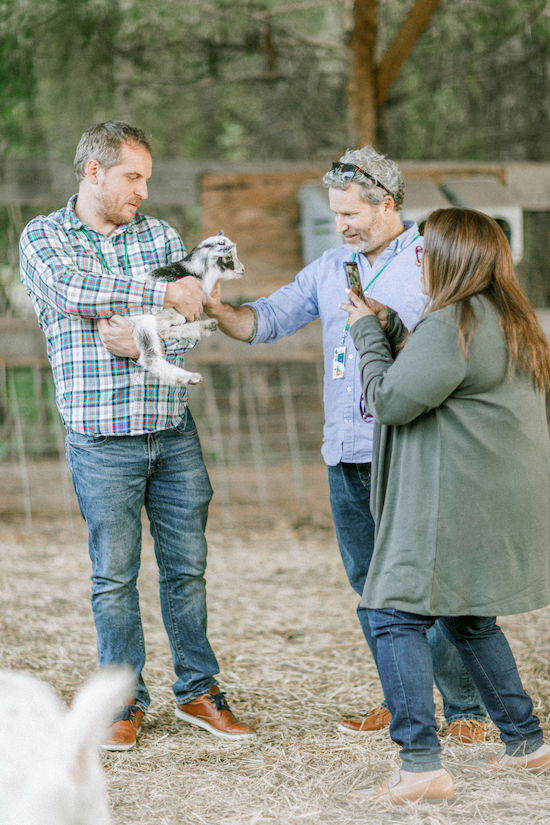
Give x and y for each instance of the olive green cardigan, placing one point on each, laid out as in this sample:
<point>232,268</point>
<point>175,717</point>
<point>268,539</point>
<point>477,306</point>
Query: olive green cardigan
<point>461,470</point>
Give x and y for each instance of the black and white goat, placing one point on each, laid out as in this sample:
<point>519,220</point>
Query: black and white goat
<point>212,260</point>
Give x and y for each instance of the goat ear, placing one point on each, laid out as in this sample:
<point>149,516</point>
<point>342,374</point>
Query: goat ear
<point>220,232</point>
<point>92,711</point>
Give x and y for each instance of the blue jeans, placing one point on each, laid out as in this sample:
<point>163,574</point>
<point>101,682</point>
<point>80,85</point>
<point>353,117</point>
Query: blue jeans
<point>350,502</point>
<point>114,477</point>
<point>405,667</point>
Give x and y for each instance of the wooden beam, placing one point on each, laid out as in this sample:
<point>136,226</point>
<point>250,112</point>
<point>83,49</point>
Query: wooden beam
<point>411,29</point>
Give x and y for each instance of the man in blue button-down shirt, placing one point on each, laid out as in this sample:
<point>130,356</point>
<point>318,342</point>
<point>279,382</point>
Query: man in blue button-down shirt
<point>366,192</point>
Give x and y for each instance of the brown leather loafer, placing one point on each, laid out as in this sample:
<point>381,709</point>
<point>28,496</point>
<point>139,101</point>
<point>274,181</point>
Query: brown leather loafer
<point>211,712</point>
<point>125,729</point>
<point>375,719</point>
<point>467,731</point>
<point>405,786</point>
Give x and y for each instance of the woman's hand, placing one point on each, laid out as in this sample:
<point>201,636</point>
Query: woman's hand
<point>358,307</point>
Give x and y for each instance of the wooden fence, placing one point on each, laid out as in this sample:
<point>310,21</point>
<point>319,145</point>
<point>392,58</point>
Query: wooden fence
<point>258,410</point>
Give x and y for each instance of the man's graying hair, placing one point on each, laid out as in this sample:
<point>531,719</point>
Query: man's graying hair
<point>385,171</point>
<point>104,142</point>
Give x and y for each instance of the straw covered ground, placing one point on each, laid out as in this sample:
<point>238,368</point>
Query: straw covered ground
<point>282,621</point>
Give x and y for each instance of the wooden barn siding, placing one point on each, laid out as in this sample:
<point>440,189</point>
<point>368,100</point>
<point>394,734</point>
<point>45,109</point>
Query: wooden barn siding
<point>262,212</point>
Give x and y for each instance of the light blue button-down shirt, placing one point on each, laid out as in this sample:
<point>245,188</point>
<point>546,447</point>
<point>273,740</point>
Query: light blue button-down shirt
<point>315,293</point>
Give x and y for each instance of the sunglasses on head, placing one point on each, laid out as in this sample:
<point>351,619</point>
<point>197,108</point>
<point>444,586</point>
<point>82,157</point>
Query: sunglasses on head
<point>348,170</point>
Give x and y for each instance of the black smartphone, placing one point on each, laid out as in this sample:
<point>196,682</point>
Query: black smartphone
<point>354,281</point>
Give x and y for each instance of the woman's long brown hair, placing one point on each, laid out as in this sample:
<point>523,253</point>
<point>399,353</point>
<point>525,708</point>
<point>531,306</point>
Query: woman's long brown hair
<point>466,253</point>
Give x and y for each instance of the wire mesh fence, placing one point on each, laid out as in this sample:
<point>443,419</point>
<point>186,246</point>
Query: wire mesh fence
<point>260,426</point>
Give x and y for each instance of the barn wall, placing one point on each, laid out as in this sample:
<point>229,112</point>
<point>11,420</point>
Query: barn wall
<point>262,212</point>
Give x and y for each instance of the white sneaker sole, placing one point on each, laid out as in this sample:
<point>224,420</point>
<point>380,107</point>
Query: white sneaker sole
<point>202,723</point>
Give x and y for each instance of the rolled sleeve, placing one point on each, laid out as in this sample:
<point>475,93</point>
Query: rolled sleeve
<point>288,309</point>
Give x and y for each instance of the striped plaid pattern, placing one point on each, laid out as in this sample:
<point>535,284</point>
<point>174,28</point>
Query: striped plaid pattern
<point>71,287</point>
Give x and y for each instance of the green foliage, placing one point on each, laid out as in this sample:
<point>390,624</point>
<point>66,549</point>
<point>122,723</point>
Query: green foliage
<point>221,79</point>
<point>17,79</point>
<point>476,85</point>
<point>253,79</point>
<point>27,412</point>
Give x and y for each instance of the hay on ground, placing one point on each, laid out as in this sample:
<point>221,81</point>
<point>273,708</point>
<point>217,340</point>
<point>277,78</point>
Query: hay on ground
<point>293,661</point>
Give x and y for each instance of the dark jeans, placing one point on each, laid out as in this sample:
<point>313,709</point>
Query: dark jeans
<point>349,498</point>
<point>406,672</point>
<point>114,478</point>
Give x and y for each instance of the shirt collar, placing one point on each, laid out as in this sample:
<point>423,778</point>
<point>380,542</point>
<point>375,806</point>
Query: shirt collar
<point>73,223</point>
<point>405,238</point>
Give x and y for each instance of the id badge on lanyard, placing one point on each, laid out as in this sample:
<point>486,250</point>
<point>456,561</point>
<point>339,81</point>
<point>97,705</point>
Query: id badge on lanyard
<point>338,362</point>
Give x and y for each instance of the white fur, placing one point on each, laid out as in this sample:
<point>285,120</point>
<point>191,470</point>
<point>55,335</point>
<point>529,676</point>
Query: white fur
<point>204,263</point>
<point>50,770</point>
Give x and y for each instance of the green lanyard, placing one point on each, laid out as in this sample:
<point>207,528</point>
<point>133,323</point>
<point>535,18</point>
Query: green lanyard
<point>368,286</point>
<point>125,263</point>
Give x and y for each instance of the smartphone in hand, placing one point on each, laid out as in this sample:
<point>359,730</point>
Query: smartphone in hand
<point>354,281</point>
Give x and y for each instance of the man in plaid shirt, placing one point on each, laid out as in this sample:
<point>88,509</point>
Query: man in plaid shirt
<point>131,440</point>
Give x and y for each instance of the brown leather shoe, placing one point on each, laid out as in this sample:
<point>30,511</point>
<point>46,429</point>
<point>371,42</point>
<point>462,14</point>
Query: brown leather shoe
<point>124,731</point>
<point>467,731</point>
<point>375,719</point>
<point>405,786</point>
<point>211,712</point>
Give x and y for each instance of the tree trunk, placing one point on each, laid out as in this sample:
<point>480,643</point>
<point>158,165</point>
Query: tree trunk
<point>368,83</point>
<point>361,88</point>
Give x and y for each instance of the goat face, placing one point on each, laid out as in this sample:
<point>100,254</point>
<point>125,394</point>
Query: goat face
<point>215,259</point>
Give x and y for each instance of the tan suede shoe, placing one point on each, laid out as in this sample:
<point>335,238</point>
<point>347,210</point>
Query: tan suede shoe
<point>125,729</point>
<point>376,719</point>
<point>406,786</point>
<point>211,712</point>
<point>535,762</point>
<point>467,731</point>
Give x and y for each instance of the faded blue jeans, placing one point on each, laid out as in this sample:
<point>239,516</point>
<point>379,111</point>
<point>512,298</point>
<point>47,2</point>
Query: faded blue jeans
<point>405,667</point>
<point>350,502</point>
<point>114,478</point>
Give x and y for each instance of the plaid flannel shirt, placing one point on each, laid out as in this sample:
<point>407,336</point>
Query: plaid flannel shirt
<point>71,286</point>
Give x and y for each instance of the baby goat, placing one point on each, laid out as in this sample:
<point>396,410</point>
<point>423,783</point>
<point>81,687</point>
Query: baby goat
<point>50,769</point>
<point>214,259</point>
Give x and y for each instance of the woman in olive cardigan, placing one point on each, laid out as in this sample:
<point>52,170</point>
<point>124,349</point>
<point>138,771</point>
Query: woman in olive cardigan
<point>461,491</point>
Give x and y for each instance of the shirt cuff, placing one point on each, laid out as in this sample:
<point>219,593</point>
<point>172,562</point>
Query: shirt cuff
<point>152,297</point>
<point>254,327</point>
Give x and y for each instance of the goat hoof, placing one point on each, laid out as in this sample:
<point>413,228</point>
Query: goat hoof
<point>209,326</point>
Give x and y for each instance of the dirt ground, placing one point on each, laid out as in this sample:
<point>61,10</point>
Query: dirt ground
<point>293,661</point>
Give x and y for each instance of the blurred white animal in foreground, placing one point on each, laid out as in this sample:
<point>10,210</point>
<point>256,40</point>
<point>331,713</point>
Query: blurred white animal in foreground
<point>50,769</point>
